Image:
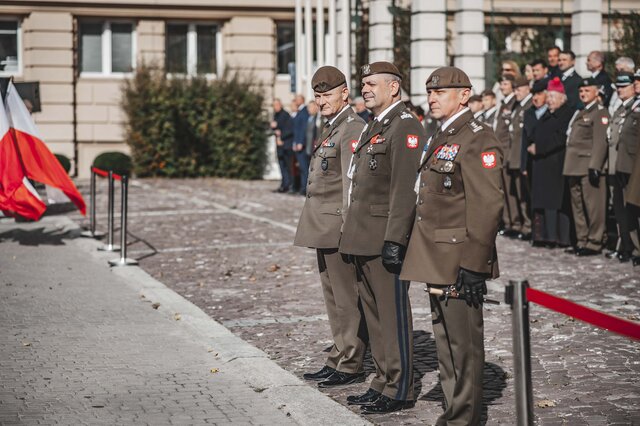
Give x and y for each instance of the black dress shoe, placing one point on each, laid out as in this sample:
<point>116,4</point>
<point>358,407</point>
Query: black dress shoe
<point>339,378</point>
<point>322,374</point>
<point>367,398</point>
<point>572,250</point>
<point>282,189</point>
<point>636,260</point>
<point>384,404</point>
<point>524,236</point>
<point>587,252</point>
<point>612,255</point>
<point>624,257</point>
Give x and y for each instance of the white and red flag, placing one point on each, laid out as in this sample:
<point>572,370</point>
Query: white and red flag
<point>32,158</point>
<point>16,193</point>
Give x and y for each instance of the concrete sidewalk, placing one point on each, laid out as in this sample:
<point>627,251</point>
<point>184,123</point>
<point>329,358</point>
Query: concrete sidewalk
<point>81,343</point>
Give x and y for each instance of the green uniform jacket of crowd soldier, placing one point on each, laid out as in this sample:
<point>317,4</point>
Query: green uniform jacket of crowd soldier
<point>629,140</point>
<point>327,188</point>
<point>587,146</point>
<point>502,123</point>
<point>382,204</point>
<point>615,126</point>
<point>517,122</point>
<point>459,206</point>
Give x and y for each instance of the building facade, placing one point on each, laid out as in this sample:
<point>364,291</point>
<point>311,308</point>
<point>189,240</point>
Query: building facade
<point>81,52</point>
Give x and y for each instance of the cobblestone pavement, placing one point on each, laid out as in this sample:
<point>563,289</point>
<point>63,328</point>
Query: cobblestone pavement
<point>81,344</point>
<point>226,246</point>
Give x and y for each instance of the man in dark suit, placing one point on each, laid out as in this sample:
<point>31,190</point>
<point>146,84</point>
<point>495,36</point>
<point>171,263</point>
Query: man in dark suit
<point>299,141</point>
<point>595,64</point>
<point>540,69</point>
<point>282,127</point>
<point>570,78</point>
<point>553,59</point>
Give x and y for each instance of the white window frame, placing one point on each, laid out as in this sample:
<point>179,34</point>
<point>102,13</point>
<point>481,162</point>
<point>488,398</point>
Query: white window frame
<point>17,73</point>
<point>105,40</point>
<point>192,50</point>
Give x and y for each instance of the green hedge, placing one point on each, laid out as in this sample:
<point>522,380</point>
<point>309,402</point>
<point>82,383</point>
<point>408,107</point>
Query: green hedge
<point>193,127</point>
<point>64,161</point>
<point>118,162</point>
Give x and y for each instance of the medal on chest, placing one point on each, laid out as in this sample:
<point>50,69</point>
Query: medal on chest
<point>324,165</point>
<point>373,164</point>
<point>447,182</point>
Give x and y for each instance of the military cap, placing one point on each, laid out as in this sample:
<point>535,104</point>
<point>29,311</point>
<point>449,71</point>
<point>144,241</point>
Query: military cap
<point>636,76</point>
<point>448,77</point>
<point>588,81</point>
<point>475,98</point>
<point>327,78</point>
<point>539,86</point>
<point>521,81</point>
<point>624,79</point>
<point>381,67</point>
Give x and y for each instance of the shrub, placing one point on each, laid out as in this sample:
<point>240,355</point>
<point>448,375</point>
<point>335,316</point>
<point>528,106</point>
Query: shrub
<point>192,127</point>
<point>64,161</point>
<point>117,162</point>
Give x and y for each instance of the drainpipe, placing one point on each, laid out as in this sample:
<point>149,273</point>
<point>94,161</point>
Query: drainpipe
<point>75,96</point>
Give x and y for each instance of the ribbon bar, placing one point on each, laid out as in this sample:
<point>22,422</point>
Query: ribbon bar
<point>588,315</point>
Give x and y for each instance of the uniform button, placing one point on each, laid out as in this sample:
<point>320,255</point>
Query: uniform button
<point>419,218</point>
<point>489,262</point>
<point>420,202</point>
<point>352,199</point>
<point>308,195</point>
<point>311,169</point>
<point>388,212</point>
<point>338,211</point>
<point>354,184</point>
<point>454,239</point>
<point>309,182</point>
<point>421,184</point>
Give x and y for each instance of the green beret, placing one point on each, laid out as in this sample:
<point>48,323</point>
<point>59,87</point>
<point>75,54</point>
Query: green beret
<point>327,78</point>
<point>448,77</point>
<point>379,68</point>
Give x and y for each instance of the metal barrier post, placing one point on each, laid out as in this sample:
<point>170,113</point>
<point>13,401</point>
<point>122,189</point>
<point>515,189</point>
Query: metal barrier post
<point>109,246</point>
<point>123,261</point>
<point>516,296</point>
<point>92,233</point>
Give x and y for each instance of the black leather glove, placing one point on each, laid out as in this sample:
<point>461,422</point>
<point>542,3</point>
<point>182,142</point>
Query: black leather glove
<point>472,287</point>
<point>594,178</point>
<point>623,179</point>
<point>392,256</point>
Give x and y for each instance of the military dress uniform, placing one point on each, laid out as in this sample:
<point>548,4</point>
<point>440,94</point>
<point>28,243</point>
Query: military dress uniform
<point>320,228</point>
<point>381,209</point>
<point>501,127</point>
<point>587,153</point>
<point>459,203</point>
<point>518,188</point>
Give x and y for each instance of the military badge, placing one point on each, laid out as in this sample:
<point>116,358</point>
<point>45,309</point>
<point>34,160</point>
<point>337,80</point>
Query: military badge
<point>366,69</point>
<point>354,144</point>
<point>324,165</point>
<point>489,160</point>
<point>435,80</point>
<point>377,139</point>
<point>604,120</point>
<point>448,166</point>
<point>447,182</point>
<point>373,164</point>
<point>412,141</point>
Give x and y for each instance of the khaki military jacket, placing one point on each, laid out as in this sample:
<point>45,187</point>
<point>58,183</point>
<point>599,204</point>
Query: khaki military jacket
<point>327,186</point>
<point>587,146</point>
<point>459,206</point>
<point>629,139</point>
<point>502,124</point>
<point>384,164</point>
<point>615,126</point>
<point>489,118</point>
<point>515,134</point>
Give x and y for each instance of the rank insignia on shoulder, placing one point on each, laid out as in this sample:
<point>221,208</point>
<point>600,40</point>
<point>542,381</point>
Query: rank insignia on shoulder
<point>350,119</point>
<point>489,160</point>
<point>405,115</point>
<point>448,152</point>
<point>600,107</point>
<point>354,144</point>
<point>412,141</point>
<point>605,120</point>
<point>386,121</point>
<point>475,127</point>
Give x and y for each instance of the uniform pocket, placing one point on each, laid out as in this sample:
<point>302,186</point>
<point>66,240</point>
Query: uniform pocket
<point>331,208</point>
<point>380,210</point>
<point>328,152</point>
<point>451,235</point>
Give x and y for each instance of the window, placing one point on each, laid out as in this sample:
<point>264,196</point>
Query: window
<point>286,38</point>
<point>10,58</point>
<point>106,47</point>
<point>192,49</point>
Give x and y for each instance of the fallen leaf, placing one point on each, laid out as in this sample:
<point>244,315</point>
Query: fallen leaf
<point>177,317</point>
<point>215,370</point>
<point>155,305</point>
<point>26,344</point>
<point>545,403</point>
<point>273,267</point>
<point>200,284</point>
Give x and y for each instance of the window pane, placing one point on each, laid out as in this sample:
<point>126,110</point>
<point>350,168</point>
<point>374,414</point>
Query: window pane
<point>177,49</point>
<point>91,47</point>
<point>8,46</point>
<point>286,46</point>
<point>121,45</point>
<point>206,49</point>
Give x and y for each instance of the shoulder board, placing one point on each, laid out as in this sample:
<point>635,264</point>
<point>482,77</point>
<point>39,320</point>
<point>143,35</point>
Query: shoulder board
<point>475,125</point>
<point>600,107</point>
<point>350,119</point>
<point>405,115</point>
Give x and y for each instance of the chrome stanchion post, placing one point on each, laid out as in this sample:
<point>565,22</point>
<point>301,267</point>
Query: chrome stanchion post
<point>92,233</point>
<point>109,246</point>
<point>123,261</point>
<point>517,292</point>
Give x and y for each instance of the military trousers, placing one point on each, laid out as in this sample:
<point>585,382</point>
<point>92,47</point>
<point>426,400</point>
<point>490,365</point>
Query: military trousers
<point>588,205</point>
<point>385,301</point>
<point>628,241</point>
<point>346,319</point>
<point>459,333</point>
<point>519,189</point>
<point>510,216</point>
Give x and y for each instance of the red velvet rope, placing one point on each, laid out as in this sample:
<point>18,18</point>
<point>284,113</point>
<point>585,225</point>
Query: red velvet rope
<point>591,316</point>
<point>104,173</point>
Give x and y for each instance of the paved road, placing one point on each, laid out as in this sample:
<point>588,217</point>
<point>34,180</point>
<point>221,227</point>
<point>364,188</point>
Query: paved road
<point>83,344</point>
